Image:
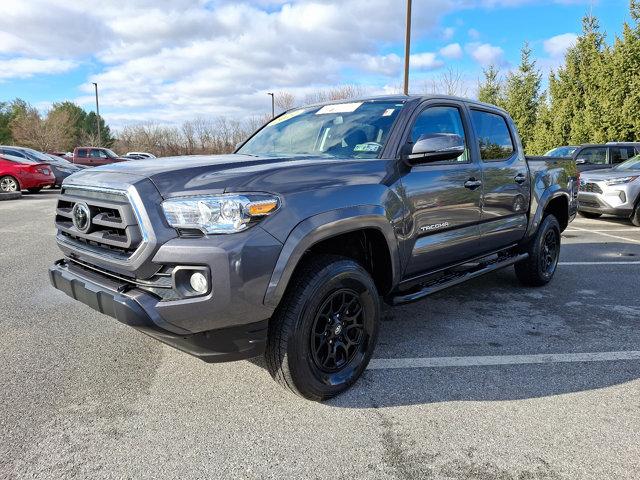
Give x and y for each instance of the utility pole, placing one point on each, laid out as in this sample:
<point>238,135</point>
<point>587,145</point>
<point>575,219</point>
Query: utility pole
<point>407,49</point>
<point>98,115</point>
<point>273,105</point>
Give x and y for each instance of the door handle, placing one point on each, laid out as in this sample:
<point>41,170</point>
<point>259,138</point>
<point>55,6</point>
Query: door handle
<point>520,178</point>
<point>472,183</point>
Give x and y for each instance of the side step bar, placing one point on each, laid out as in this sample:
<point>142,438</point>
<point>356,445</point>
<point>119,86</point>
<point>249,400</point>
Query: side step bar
<point>454,278</point>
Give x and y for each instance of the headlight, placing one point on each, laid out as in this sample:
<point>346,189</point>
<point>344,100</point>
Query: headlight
<point>621,180</point>
<point>218,213</point>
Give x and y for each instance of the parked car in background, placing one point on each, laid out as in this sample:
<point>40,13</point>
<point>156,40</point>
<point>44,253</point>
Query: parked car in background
<point>139,155</point>
<point>60,167</point>
<point>95,156</point>
<point>614,191</point>
<point>566,151</point>
<point>601,156</point>
<point>19,173</point>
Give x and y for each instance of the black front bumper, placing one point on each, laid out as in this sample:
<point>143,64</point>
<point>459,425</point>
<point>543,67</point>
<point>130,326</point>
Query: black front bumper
<point>124,304</point>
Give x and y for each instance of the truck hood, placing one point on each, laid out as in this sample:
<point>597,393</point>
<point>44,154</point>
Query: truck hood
<point>193,175</point>
<point>607,174</point>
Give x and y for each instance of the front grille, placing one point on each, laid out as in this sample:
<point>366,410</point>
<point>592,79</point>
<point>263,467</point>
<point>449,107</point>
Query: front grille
<point>113,227</point>
<point>590,187</point>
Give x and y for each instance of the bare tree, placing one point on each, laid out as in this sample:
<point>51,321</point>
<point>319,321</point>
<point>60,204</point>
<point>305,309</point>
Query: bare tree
<point>449,82</point>
<point>53,132</point>
<point>285,100</point>
<point>341,92</point>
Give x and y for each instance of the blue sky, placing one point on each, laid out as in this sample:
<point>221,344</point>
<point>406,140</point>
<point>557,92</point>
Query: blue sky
<point>167,61</point>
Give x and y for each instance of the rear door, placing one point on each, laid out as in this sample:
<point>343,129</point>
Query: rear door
<point>82,156</point>
<point>505,179</point>
<point>443,197</point>
<point>619,154</point>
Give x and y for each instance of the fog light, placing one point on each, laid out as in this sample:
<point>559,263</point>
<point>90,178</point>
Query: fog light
<point>199,283</point>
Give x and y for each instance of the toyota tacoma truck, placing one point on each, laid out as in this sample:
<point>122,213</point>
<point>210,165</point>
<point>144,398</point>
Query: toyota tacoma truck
<point>287,247</point>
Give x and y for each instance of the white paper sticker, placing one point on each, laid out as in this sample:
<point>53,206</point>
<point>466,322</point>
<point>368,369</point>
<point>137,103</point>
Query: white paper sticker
<point>286,116</point>
<point>339,108</point>
<point>388,112</point>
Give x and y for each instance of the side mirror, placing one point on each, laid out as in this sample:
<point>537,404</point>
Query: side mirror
<point>581,161</point>
<point>436,147</point>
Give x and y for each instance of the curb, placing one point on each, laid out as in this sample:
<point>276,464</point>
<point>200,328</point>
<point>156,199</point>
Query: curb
<point>10,195</point>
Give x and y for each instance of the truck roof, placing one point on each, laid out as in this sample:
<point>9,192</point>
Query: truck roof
<point>404,98</point>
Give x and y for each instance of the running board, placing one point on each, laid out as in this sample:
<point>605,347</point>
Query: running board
<point>454,278</point>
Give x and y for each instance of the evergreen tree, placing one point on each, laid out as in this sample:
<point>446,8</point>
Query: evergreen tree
<point>621,97</point>
<point>490,89</point>
<point>522,95</point>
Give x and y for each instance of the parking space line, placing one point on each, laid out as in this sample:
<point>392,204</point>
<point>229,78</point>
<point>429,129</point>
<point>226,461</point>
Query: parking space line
<point>607,235</point>
<point>482,361</point>
<point>599,263</point>
<point>630,230</point>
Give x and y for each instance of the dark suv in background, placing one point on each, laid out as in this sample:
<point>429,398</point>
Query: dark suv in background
<point>599,156</point>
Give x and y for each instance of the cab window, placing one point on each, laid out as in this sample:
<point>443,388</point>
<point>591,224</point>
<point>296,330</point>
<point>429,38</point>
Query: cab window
<point>443,119</point>
<point>494,138</point>
<point>593,156</point>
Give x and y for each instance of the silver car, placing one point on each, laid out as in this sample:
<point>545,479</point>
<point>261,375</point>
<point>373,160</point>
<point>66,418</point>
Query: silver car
<point>614,191</point>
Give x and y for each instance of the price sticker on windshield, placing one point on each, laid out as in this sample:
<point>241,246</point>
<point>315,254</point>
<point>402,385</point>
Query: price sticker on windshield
<point>339,108</point>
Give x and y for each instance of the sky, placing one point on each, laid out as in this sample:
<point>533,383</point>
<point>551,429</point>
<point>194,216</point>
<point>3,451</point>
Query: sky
<point>167,61</point>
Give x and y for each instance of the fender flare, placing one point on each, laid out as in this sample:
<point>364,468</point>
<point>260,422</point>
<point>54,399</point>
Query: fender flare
<point>553,192</point>
<point>321,227</point>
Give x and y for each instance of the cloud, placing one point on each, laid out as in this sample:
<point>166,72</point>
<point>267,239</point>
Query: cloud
<point>485,53</point>
<point>453,50</point>
<point>28,67</point>
<point>473,34</point>
<point>425,61</point>
<point>558,45</point>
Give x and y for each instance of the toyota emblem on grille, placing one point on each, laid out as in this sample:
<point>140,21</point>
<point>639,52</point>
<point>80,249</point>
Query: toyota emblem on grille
<point>81,217</point>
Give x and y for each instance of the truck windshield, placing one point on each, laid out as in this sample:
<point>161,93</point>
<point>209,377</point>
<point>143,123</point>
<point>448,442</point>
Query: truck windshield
<point>343,130</point>
<point>561,152</point>
<point>631,164</point>
<point>110,153</point>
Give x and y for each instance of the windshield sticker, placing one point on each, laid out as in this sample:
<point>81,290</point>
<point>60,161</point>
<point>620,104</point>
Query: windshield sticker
<point>388,112</point>
<point>339,108</point>
<point>286,116</point>
<point>367,147</point>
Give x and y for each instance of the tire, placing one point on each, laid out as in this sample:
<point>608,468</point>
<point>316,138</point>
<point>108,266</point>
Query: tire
<point>590,214</point>
<point>34,190</point>
<point>9,184</point>
<point>324,331</point>
<point>544,252</point>
<point>635,216</point>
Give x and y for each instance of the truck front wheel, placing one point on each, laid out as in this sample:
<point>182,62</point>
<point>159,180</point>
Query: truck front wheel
<point>324,331</point>
<point>544,252</point>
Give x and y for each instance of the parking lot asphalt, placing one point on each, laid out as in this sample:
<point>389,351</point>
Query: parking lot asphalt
<point>488,380</point>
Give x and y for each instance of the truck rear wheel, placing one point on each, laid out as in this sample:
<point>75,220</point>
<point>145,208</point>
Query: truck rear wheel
<point>544,252</point>
<point>324,331</point>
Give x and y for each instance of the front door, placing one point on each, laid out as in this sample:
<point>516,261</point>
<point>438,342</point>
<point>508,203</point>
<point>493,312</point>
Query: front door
<point>443,197</point>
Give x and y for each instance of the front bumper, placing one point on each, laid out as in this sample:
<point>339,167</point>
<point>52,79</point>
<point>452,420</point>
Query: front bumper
<point>615,200</point>
<point>135,308</point>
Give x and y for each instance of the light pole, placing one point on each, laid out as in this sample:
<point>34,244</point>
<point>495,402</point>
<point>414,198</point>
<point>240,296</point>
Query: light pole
<point>97,114</point>
<point>407,49</point>
<point>273,105</point>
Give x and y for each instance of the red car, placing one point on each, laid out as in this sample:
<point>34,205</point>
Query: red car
<point>22,174</point>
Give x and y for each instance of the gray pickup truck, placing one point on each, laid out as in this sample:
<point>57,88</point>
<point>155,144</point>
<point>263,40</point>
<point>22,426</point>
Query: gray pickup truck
<point>287,247</point>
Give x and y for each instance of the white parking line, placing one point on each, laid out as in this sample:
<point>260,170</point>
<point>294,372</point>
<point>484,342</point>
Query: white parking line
<point>598,263</point>
<point>630,230</point>
<point>439,362</point>
<point>607,235</point>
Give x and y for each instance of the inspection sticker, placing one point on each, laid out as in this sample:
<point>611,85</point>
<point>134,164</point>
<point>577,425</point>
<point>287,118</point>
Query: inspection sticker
<point>388,112</point>
<point>339,108</point>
